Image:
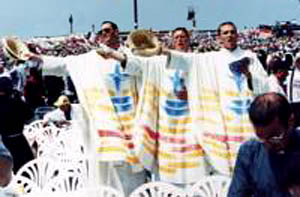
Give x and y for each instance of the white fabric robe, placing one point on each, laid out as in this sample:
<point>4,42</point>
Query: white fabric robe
<point>219,103</point>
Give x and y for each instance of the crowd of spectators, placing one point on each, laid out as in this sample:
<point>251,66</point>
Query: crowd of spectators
<point>285,48</point>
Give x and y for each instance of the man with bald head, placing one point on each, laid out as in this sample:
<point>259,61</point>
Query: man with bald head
<point>263,163</point>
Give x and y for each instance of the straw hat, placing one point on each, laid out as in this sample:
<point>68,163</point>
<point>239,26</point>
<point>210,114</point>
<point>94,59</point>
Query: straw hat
<point>16,49</point>
<point>143,42</point>
<point>62,100</point>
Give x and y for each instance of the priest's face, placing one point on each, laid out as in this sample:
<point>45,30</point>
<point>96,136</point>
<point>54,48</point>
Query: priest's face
<point>180,41</point>
<point>228,37</point>
<point>109,36</point>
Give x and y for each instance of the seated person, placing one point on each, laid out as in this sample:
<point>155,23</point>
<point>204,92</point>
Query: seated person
<point>6,165</point>
<point>263,163</point>
<point>64,114</point>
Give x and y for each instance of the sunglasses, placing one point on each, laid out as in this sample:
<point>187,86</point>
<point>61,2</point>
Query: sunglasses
<point>275,139</point>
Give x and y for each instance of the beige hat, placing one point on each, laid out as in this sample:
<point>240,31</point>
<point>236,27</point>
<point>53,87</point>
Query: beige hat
<point>16,49</point>
<point>143,42</point>
<point>62,100</point>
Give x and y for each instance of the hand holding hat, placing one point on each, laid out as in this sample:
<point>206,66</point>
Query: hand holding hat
<point>16,49</point>
<point>107,52</point>
<point>143,43</point>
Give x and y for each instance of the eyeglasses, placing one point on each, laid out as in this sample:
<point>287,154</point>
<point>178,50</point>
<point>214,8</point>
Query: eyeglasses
<point>275,139</point>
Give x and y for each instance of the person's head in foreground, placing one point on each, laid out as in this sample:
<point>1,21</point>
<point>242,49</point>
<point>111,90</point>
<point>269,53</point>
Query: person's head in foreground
<point>273,120</point>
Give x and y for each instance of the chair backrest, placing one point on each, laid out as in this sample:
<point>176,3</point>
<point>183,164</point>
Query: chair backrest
<point>101,191</point>
<point>41,111</point>
<point>69,181</point>
<point>107,191</point>
<point>47,135</point>
<point>34,175</point>
<point>158,189</point>
<point>210,186</point>
<point>31,130</point>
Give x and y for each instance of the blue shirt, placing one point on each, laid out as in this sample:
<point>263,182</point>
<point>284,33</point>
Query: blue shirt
<point>259,172</point>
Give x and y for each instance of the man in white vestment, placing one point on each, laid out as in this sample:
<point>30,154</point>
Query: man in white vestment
<point>108,97</point>
<point>221,86</point>
<point>168,146</point>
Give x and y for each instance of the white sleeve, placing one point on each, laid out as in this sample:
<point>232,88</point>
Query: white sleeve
<point>259,77</point>
<point>134,65</point>
<point>181,60</point>
<point>55,66</point>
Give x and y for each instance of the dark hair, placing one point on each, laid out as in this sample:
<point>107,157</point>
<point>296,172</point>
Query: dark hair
<point>113,25</point>
<point>276,64</point>
<point>267,107</point>
<point>223,24</point>
<point>181,29</point>
<point>6,85</point>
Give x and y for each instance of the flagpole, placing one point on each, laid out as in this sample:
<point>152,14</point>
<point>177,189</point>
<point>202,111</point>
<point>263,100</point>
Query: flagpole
<point>71,24</point>
<point>135,14</point>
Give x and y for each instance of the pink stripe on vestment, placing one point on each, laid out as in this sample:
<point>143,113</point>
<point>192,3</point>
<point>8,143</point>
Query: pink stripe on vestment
<point>224,138</point>
<point>157,136</point>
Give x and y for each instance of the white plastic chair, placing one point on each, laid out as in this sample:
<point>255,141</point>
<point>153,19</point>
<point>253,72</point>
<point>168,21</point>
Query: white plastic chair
<point>106,191</point>
<point>158,189</point>
<point>102,191</point>
<point>210,186</point>
<point>47,135</point>
<point>69,181</point>
<point>30,131</point>
<point>34,175</point>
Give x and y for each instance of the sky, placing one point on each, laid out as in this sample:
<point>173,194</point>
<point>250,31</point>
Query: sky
<point>31,18</point>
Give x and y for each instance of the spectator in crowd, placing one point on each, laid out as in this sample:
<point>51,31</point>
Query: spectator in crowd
<point>14,114</point>
<point>263,164</point>
<point>278,74</point>
<point>293,88</point>
<point>6,165</point>
<point>64,114</point>
<point>34,93</point>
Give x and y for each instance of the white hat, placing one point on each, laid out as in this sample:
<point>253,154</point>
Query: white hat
<point>15,48</point>
<point>62,100</point>
<point>142,42</point>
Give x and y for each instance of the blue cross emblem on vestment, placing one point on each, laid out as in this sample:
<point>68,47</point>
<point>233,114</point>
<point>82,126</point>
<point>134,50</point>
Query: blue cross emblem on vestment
<point>178,82</point>
<point>118,76</point>
<point>240,106</point>
<point>176,107</point>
